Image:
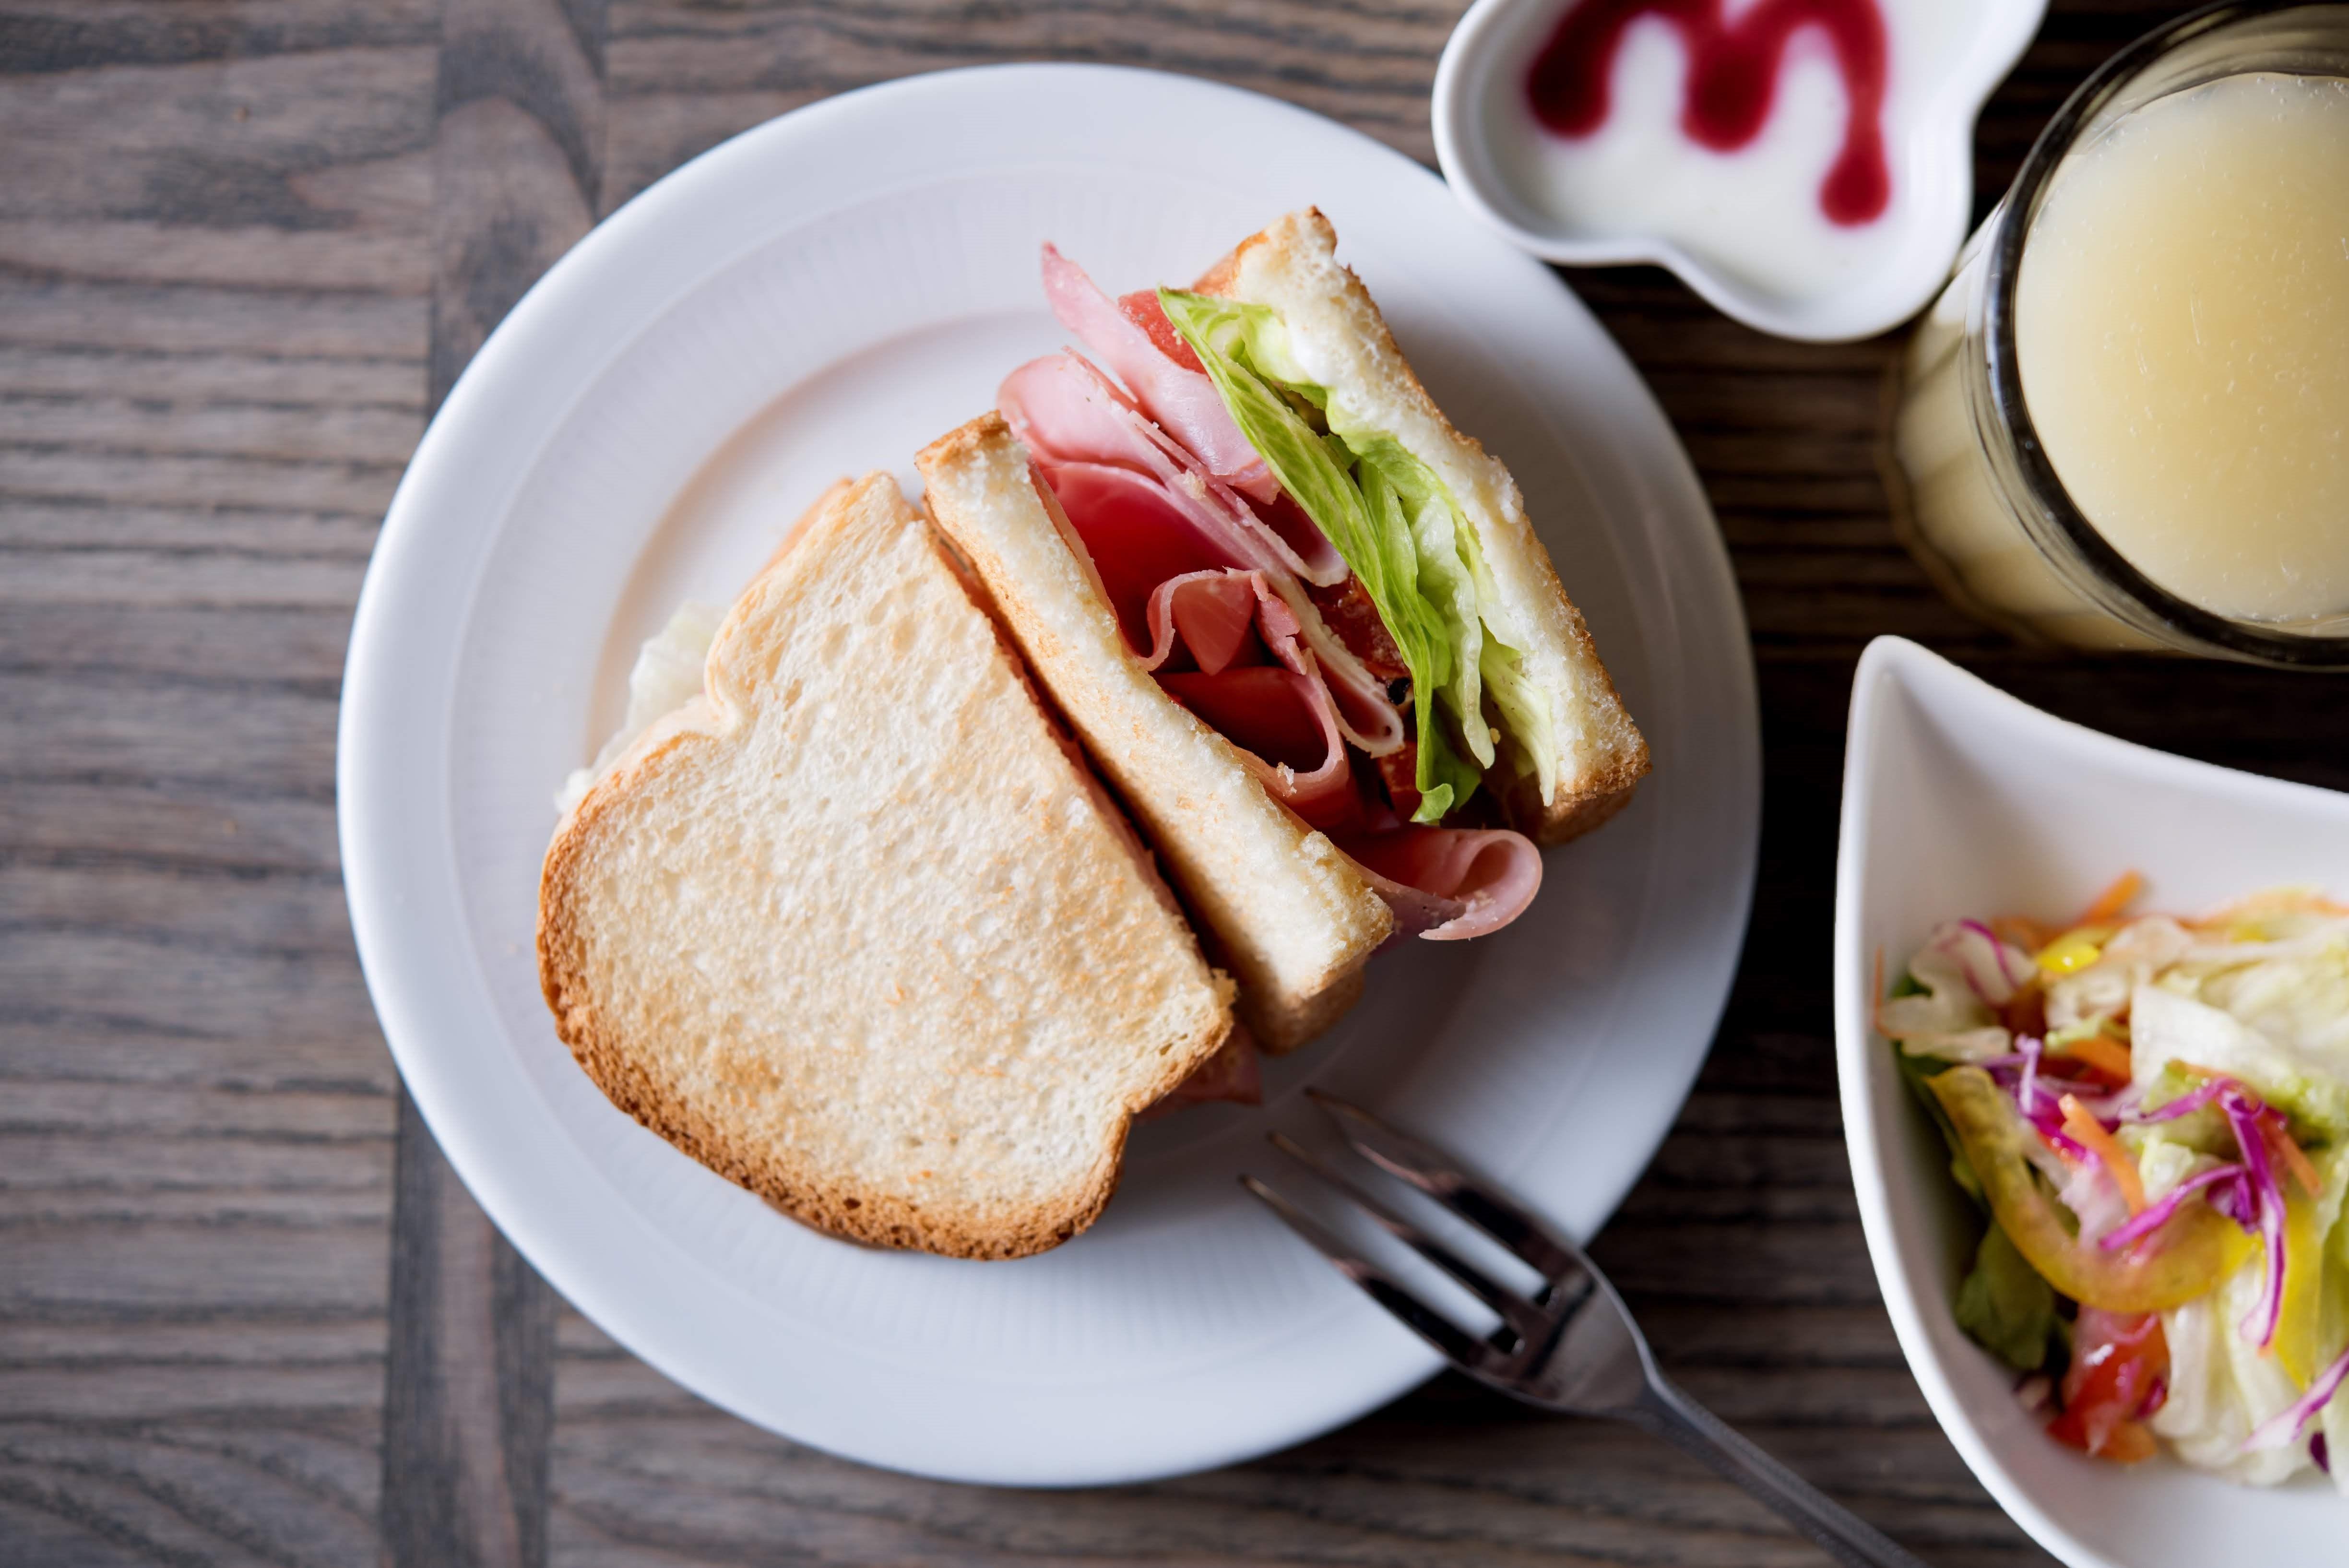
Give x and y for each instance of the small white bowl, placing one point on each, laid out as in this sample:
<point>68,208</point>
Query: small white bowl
<point>1725,222</point>
<point>1960,800</point>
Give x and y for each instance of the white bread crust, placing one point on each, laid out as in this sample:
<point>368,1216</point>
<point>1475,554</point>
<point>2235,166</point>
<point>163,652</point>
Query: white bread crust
<point>1340,340</point>
<point>1291,915</point>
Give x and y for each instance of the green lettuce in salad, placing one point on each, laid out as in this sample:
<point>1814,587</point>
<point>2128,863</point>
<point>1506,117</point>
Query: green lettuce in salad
<point>2004,1304</point>
<point>1399,529</point>
<point>2153,1114</point>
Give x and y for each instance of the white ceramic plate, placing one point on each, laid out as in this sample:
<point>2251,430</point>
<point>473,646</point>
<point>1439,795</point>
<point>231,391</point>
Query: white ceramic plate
<point>1959,800</point>
<point>820,296</point>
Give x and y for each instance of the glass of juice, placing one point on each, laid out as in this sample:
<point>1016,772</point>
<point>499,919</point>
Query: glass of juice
<point>2125,424</point>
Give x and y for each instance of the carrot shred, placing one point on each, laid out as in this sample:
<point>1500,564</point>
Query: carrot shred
<point>2023,931</point>
<point>2090,1134</point>
<point>2294,1160</point>
<point>2113,899</point>
<point>2109,1056</point>
<point>2130,1443</point>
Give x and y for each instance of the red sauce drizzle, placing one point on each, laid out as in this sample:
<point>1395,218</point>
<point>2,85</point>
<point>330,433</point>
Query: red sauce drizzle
<point>1732,79</point>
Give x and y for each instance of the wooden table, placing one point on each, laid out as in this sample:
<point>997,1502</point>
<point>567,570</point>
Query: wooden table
<point>245,1316</point>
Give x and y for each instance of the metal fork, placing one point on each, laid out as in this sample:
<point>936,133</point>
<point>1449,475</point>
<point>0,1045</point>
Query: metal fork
<point>1570,1346</point>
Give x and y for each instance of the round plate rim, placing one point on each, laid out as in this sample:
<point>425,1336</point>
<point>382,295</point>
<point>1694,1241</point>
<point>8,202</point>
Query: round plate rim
<point>382,714</point>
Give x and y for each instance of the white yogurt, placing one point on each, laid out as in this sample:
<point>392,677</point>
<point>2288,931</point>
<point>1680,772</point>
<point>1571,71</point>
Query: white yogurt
<point>1752,214</point>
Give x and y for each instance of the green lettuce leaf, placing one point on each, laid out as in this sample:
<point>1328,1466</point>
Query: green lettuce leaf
<point>2006,1306</point>
<point>2278,1019</point>
<point>1397,527</point>
<point>1914,1071</point>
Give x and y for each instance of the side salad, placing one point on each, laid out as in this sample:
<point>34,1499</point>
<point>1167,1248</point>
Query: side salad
<point>2152,1116</point>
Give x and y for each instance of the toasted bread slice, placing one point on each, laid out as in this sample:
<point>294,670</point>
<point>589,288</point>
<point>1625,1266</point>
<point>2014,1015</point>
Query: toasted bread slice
<point>855,931</point>
<point>1341,342</point>
<point>1293,918</point>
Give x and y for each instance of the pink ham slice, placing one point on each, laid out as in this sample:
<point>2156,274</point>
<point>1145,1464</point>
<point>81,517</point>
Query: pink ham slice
<point>1280,715</point>
<point>1071,418</point>
<point>1066,411</point>
<point>1214,615</point>
<point>1182,400</point>
<point>1448,884</point>
<point>1208,596</point>
<point>1138,539</point>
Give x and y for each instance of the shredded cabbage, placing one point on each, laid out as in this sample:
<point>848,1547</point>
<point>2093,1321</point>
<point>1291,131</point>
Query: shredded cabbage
<point>2220,1387</point>
<point>1961,972</point>
<point>2215,1016</point>
<point>2300,1073</point>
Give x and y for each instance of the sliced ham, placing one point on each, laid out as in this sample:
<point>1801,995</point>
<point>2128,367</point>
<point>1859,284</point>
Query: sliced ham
<point>1448,884</point>
<point>1140,347</point>
<point>1066,411</point>
<point>1278,714</point>
<point>1180,396</point>
<point>1247,616</point>
<point>1211,615</point>
<point>1139,540</point>
<point>1071,418</point>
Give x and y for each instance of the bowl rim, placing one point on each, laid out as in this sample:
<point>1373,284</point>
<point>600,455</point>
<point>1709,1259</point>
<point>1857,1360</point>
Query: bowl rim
<point>1892,669</point>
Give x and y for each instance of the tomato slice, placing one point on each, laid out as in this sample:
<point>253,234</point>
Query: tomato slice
<point>1142,309</point>
<point>2118,1376</point>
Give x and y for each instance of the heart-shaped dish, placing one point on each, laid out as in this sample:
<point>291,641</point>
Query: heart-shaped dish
<point>1960,800</point>
<point>1746,228</point>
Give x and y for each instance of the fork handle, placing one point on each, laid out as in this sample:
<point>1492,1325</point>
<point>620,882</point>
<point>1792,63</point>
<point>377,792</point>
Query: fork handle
<point>1672,1414</point>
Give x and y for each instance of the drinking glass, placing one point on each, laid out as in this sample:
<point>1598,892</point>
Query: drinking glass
<point>1975,498</point>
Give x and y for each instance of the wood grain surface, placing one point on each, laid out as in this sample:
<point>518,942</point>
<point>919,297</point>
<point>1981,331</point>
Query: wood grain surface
<point>469,1366</point>
<point>245,246</point>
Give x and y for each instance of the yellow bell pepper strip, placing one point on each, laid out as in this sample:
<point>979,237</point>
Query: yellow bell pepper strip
<point>2188,1256</point>
<point>2075,950</point>
<point>2299,1345</point>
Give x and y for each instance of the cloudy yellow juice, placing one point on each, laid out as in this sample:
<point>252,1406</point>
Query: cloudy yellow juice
<point>2182,327</point>
<point>2180,332</point>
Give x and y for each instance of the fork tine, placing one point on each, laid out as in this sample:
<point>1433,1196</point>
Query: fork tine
<point>1521,1316</point>
<point>1454,1343</point>
<point>1434,1173</point>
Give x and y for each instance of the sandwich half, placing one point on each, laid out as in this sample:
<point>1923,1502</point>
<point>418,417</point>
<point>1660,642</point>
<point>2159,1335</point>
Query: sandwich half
<point>854,928</point>
<point>1301,623</point>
